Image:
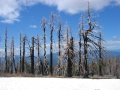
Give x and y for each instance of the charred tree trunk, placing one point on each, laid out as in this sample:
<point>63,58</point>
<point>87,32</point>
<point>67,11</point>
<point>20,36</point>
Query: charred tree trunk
<point>6,59</point>
<point>51,43</point>
<point>20,53</point>
<point>45,58</point>
<point>23,54</point>
<point>100,57</point>
<point>39,59</point>
<point>32,56</point>
<point>80,46</point>
<point>69,62</point>
<point>13,68</point>
<point>85,56</point>
<point>70,57</point>
<point>59,47</point>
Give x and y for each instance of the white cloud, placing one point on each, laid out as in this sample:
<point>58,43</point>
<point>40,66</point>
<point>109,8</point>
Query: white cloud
<point>10,9</point>
<point>33,26</point>
<point>114,36</point>
<point>113,42</point>
<point>113,47</point>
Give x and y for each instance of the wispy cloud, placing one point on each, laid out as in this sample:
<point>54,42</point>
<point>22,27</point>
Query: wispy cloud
<point>113,47</point>
<point>114,36</point>
<point>33,26</point>
<point>10,9</point>
<point>113,42</point>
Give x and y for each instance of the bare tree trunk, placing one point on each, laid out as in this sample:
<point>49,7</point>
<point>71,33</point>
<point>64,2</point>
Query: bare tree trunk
<point>51,43</point>
<point>23,54</point>
<point>20,53</point>
<point>45,58</point>
<point>100,58</point>
<point>80,46</point>
<point>32,56</point>
<point>39,59</point>
<point>13,68</point>
<point>59,47</point>
<point>85,56</point>
<point>6,59</point>
<point>69,62</point>
<point>70,57</point>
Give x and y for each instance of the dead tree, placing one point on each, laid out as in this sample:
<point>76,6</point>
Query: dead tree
<point>100,56</point>
<point>72,55</point>
<point>12,57</point>
<point>51,42</point>
<point>81,28</point>
<point>59,46</point>
<point>45,58</point>
<point>32,56</point>
<point>20,53</point>
<point>69,53</point>
<point>88,41</point>
<point>23,53</point>
<point>6,58</point>
<point>40,63</point>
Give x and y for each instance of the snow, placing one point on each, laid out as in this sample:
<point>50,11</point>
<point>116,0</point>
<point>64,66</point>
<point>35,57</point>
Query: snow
<point>58,84</point>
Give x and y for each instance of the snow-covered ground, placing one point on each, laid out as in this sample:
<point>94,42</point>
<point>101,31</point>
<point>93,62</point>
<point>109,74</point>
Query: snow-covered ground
<point>58,84</point>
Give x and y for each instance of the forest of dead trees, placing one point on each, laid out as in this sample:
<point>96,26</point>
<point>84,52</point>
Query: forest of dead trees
<point>85,57</point>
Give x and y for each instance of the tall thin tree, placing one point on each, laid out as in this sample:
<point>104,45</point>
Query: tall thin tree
<point>32,56</point>
<point>81,29</point>
<point>45,58</point>
<point>59,45</point>
<point>6,58</point>
<point>20,52</point>
<point>23,53</point>
<point>51,42</point>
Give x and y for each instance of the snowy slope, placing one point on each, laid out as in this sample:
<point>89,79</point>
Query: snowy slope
<point>58,84</point>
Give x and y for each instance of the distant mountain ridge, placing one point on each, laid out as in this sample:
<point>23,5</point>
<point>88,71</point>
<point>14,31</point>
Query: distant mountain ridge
<point>113,53</point>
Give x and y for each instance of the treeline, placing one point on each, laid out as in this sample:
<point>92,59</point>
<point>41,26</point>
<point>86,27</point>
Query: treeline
<point>84,57</point>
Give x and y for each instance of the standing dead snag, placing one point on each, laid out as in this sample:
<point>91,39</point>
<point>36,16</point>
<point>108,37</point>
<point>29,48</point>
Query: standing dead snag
<point>87,40</point>
<point>6,59</point>
<point>59,47</point>
<point>45,58</point>
<point>69,53</point>
<point>100,57</point>
<point>12,59</point>
<point>32,56</point>
<point>81,28</point>
<point>20,53</point>
<point>23,53</point>
<point>40,63</point>
<point>51,42</point>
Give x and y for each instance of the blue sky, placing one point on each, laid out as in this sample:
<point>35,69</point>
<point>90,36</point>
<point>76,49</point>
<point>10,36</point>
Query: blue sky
<point>25,16</point>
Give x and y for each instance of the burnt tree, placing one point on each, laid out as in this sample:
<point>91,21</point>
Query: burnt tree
<point>51,42</point>
<point>20,52</point>
<point>32,56</point>
<point>6,58</point>
<point>23,53</point>
<point>45,58</point>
